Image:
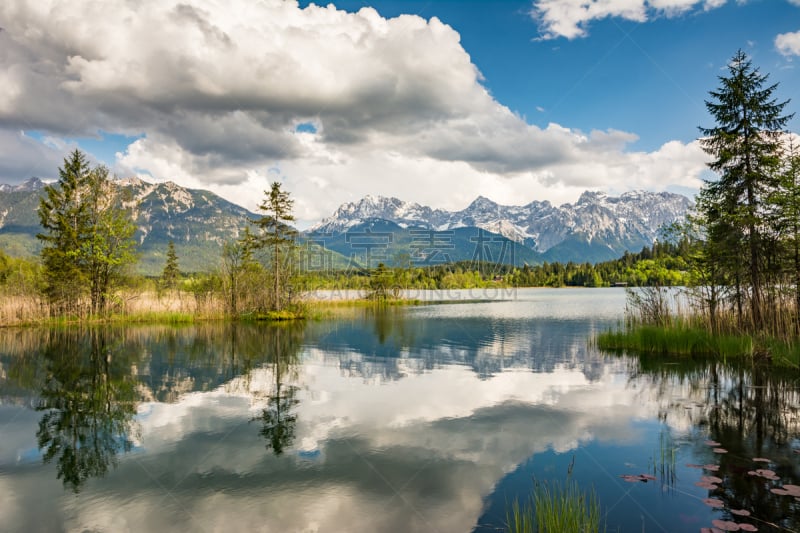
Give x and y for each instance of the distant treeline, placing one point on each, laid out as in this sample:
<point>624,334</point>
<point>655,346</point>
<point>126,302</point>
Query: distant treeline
<point>663,264</point>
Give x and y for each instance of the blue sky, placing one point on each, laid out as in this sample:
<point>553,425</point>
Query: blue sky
<point>649,78</point>
<point>430,101</point>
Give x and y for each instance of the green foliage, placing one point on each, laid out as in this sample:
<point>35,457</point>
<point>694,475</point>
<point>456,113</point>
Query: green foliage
<point>663,264</point>
<point>556,508</point>
<point>677,339</point>
<point>87,237</point>
<point>19,276</point>
<point>171,272</point>
<point>380,284</point>
<point>203,287</point>
<point>746,147</point>
<point>277,238</point>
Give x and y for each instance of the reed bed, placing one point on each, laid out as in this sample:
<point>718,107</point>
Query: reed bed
<point>171,307</point>
<point>658,322</point>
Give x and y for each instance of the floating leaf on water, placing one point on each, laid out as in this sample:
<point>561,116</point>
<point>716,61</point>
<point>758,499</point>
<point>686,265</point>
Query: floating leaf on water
<point>763,472</point>
<point>712,443</point>
<point>711,479</point>
<point>748,527</point>
<point>711,468</point>
<point>725,525</point>
<point>720,450</point>
<point>714,502</point>
<point>631,478</point>
<point>706,485</point>
<point>761,460</point>
<point>740,512</point>
<point>710,530</point>
<point>752,473</point>
<point>692,465</point>
<point>779,492</point>
<point>793,490</point>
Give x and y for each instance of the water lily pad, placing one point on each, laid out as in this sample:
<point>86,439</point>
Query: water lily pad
<point>706,485</point>
<point>712,443</point>
<point>793,490</point>
<point>711,479</point>
<point>725,525</point>
<point>714,502</point>
<point>779,492</point>
<point>748,527</point>
<point>720,450</point>
<point>761,460</point>
<point>643,478</point>
<point>740,512</point>
<point>711,468</point>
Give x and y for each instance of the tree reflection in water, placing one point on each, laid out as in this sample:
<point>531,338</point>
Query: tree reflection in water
<point>752,412</point>
<point>278,421</point>
<point>89,399</point>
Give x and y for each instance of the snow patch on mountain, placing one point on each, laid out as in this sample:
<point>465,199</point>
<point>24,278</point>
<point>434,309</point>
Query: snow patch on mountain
<point>596,216</point>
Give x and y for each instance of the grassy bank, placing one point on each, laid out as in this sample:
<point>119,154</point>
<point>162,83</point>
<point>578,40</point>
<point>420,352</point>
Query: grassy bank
<point>680,339</point>
<point>668,323</point>
<point>177,307</point>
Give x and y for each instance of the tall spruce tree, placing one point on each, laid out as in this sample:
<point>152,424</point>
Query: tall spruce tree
<point>746,146</point>
<point>63,218</point>
<point>171,272</point>
<point>277,237</point>
<point>87,237</point>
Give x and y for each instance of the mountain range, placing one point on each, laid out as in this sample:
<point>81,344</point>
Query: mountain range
<point>596,228</point>
<point>198,222</point>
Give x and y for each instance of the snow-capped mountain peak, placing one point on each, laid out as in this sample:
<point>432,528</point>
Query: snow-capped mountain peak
<point>633,217</point>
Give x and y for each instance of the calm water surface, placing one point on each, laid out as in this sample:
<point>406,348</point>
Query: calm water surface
<point>430,418</point>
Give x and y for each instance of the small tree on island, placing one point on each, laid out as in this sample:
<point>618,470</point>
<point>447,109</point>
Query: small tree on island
<point>171,272</point>
<point>87,236</point>
<point>277,238</point>
<point>380,284</point>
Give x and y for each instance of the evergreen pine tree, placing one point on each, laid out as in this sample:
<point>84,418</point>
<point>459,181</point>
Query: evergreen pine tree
<point>87,237</point>
<point>277,237</point>
<point>171,272</point>
<point>745,145</point>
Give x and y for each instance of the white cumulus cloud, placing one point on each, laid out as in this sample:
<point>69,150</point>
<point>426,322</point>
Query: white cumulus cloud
<point>788,44</point>
<point>570,18</point>
<point>214,94</point>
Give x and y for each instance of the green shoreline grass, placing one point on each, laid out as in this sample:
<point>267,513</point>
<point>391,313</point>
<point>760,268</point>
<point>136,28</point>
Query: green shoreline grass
<point>556,508</point>
<point>679,339</point>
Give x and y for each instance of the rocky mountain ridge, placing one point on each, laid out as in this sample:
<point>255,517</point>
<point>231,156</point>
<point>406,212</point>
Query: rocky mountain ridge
<point>596,217</point>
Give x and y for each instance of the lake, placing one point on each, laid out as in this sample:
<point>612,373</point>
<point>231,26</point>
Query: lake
<point>424,418</point>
